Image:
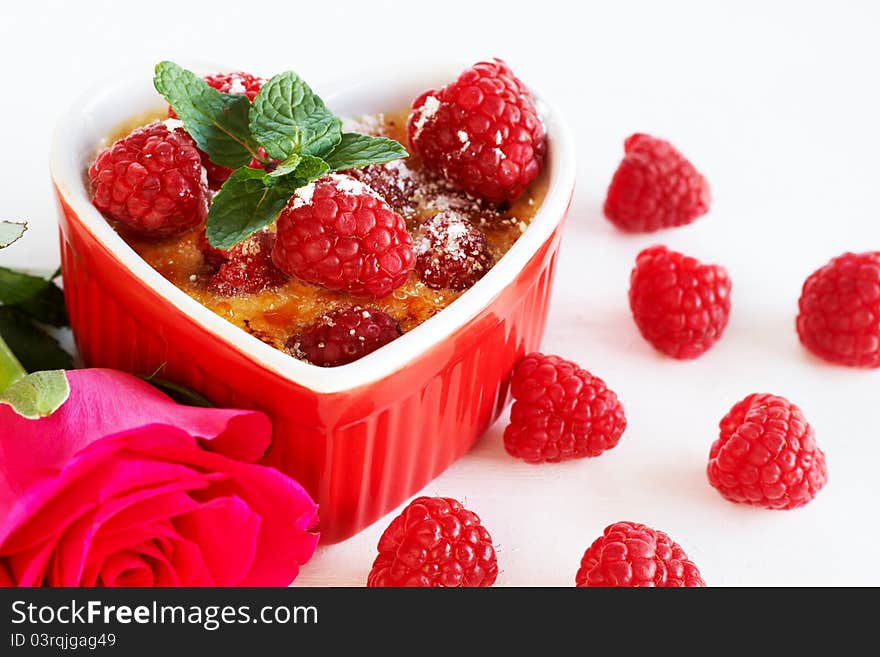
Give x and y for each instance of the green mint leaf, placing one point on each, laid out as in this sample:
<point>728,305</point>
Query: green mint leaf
<point>37,395</point>
<point>218,122</point>
<point>305,168</point>
<point>34,348</point>
<point>247,202</point>
<point>16,286</point>
<point>309,169</point>
<point>287,117</point>
<point>10,231</point>
<point>360,150</point>
<point>287,166</point>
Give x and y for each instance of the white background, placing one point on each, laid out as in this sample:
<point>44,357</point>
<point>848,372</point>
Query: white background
<point>776,103</point>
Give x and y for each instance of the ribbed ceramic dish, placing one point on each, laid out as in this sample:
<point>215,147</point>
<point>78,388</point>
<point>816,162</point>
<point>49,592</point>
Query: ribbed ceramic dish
<point>361,437</point>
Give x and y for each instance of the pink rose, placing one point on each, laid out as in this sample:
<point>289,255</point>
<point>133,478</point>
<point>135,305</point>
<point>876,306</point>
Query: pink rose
<point>123,487</point>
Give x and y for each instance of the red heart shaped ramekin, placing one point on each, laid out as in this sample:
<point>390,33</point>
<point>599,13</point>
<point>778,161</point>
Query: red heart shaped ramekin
<point>362,437</point>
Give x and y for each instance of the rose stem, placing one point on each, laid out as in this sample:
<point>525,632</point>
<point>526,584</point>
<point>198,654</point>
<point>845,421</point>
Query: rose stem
<point>10,369</point>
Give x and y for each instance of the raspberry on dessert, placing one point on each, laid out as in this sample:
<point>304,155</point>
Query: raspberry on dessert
<point>839,318</point>
<point>655,187</point>
<point>560,412</point>
<point>630,554</point>
<point>339,234</point>
<point>481,132</point>
<point>435,541</point>
<point>680,305</point>
<point>240,83</point>
<point>451,252</point>
<point>393,181</point>
<point>766,455</point>
<point>246,268</point>
<point>344,336</point>
<point>152,182</point>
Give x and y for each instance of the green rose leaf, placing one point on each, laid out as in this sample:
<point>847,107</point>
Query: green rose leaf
<point>355,150</point>
<point>34,348</point>
<point>37,297</point>
<point>287,118</point>
<point>37,395</point>
<point>218,122</point>
<point>10,231</point>
<point>16,286</point>
<point>246,203</point>
<point>180,393</point>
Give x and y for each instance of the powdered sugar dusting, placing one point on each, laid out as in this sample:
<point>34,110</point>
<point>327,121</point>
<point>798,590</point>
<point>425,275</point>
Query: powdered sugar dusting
<point>173,124</point>
<point>349,185</point>
<point>426,112</point>
<point>236,86</point>
<point>303,195</point>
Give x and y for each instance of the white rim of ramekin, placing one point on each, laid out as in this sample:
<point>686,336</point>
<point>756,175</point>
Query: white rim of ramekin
<point>78,136</point>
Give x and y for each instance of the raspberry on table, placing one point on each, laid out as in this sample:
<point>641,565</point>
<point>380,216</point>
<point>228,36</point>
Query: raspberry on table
<point>839,317</point>
<point>451,252</point>
<point>339,234</point>
<point>240,83</point>
<point>655,187</point>
<point>560,412</point>
<point>680,305</point>
<point>246,268</point>
<point>481,132</point>
<point>152,182</point>
<point>631,554</point>
<point>766,455</point>
<point>435,542</point>
<point>344,335</point>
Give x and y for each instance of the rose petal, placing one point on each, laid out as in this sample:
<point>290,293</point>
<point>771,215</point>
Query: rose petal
<point>127,569</point>
<point>104,402</point>
<point>231,529</point>
<point>120,523</point>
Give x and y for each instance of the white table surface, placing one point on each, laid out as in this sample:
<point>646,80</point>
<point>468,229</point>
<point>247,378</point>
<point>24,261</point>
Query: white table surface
<point>777,105</point>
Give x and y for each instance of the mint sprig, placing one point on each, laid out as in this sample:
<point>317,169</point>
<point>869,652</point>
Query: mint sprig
<point>217,122</point>
<point>292,126</point>
<point>288,118</point>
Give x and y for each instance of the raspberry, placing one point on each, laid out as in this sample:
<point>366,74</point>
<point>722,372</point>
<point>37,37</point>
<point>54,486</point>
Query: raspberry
<point>655,187</point>
<point>451,252</point>
<point>227,83</point>
<point>339,234</point>
<point>344,335</point>
<point>839,317</point>
<point>392,181</point>
<point>152,182</point>
<point>481,132</point>
<point>630,554</point>
<point>246,268</point>
<point>435,541</point>
<point>766,455</point>
<point>680,305</point>
<point>560,412</point>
